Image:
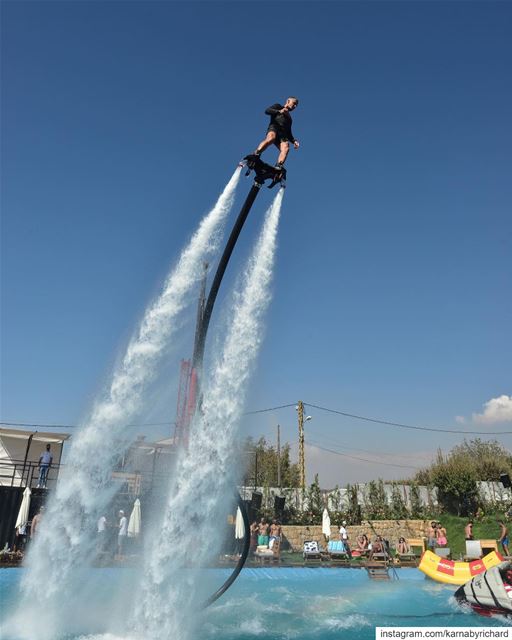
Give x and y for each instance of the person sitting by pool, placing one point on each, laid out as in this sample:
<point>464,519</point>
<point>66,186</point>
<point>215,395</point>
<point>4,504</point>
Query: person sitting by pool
<point>362,543</point>
<point>403,546</point>
<point>377,547</point>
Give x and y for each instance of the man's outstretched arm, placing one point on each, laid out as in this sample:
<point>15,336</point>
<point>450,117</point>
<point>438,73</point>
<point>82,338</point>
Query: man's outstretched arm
<point>274,109</point>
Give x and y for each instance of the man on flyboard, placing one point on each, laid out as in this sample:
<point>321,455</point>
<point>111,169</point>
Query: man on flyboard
<point>279,131</point>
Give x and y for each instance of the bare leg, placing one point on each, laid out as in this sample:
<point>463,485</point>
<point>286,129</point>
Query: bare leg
<point>271,136</point>
<point>284,147</point>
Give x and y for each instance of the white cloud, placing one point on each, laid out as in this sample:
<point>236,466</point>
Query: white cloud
<point>495,410</point>
<point>460,419</point>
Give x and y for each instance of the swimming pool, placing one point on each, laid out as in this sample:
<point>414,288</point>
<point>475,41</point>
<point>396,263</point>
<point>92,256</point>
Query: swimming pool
<point>299,603</point>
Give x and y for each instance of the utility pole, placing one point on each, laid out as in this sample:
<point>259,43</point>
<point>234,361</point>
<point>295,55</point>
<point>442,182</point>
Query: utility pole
<point>302,461</point>
<point>278,456</point>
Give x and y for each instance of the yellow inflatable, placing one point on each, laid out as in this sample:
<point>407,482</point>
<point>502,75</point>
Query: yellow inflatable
<point>451,572</point>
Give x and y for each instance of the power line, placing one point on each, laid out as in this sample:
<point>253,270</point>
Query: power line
<point>330,442</point>
<point>283,406</point>
<point>408,426</point>
<point>346,455</point>
<point>77,426</point>
<point>277,408</point>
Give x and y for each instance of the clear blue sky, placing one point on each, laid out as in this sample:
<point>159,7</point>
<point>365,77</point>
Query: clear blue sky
<point>121,123</point>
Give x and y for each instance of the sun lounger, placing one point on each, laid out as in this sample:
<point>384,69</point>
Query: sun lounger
<point>408,559</point>
<point>311,552</point>
<point>337,553</point>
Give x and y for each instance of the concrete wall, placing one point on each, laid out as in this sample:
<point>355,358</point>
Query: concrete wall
<point>294,535</point>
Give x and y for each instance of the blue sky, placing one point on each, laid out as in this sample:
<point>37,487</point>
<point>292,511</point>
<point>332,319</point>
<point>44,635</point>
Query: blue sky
<point>122,122</point>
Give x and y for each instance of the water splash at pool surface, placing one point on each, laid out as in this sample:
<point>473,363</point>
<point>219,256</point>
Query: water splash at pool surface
<point>285,603</point>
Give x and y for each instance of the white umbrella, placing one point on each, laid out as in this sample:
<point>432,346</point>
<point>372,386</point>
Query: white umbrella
<point>326,524</point>
<point>22,519</point>
<point>239,525</point>
<point>134,521</point>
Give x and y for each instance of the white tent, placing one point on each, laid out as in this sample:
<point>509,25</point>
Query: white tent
<point>22,519</point>
<point>134,521</point>
<point>326,524</point>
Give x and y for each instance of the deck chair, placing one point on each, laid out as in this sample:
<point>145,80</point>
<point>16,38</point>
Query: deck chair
<point>417,542</point>
<point>337,553</point>
<point>488,546</point>
<point>473,550</point>
<point>265,555</point>
<point>409,559</point>
<point>311,552</point>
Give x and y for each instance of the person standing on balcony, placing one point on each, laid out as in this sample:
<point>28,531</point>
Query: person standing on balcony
<point>45,462</point>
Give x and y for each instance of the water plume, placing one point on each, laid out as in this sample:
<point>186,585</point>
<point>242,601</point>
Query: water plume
<point>203,483</point>
<point>65,538</point>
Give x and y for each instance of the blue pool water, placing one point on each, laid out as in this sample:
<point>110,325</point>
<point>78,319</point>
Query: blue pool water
<point>285,603</point>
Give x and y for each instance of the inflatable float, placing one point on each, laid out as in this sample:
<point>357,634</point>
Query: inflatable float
<point>451,572</point>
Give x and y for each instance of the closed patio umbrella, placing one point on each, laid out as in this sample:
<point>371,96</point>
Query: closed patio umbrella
<point>239,525</point>
<point>134,522</point>
<point>326,524</point>
<point>22,519</point>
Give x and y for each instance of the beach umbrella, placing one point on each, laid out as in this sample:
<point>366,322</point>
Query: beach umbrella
<point>22,519</point>
<point>134,521</point>
<point>239,525</point>
<point>326,524</point>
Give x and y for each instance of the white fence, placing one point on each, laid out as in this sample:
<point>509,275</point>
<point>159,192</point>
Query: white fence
<point>338,500</point>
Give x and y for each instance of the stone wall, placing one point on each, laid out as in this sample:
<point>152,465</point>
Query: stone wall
<point>294,535</point>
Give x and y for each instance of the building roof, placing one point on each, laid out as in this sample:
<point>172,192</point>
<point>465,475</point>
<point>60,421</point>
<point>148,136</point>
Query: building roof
<point>43,436</point>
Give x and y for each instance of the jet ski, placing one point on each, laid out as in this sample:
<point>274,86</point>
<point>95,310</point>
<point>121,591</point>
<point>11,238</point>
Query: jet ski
<point>490,592</point>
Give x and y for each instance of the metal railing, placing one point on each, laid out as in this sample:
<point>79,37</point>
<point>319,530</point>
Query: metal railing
<point>17,473</point>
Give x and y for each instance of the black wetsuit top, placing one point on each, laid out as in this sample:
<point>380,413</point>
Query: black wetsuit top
<point>281,123</point>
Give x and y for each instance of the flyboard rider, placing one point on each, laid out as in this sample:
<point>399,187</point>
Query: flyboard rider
<point>279,131</point>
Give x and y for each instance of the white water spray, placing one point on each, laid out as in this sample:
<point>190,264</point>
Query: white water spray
<point>203,483</point>
<point>64,538</point>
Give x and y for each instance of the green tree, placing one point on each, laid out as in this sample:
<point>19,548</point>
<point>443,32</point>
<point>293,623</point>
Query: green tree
<point>354,508</point>
<point>376,503</point>
<point>398,507</point>
<point>262,462</point>
<point>315,501</point>
<point>417,510</point>
<point>456,480</point>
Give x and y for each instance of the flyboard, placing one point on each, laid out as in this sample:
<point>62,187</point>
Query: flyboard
<point>451,572</point>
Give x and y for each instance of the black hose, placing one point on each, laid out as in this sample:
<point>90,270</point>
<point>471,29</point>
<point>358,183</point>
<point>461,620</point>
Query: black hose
<point>197,362</point>
<point>241,560</point>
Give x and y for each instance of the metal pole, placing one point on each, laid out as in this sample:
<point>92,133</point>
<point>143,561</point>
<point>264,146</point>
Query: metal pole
<point>302,461</point>
<point>278,456</point>
<point>26,456</point>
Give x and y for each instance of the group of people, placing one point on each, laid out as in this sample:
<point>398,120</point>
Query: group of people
<point>265,534</point>
<point>104,531</point>
<point>436,535</point>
